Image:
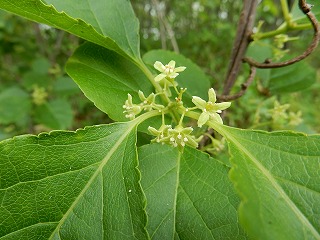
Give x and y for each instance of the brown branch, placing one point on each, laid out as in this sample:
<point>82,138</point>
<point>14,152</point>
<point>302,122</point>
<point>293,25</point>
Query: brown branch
<point>243,38</point>
<point>306,9</point>
<point>244,87</point>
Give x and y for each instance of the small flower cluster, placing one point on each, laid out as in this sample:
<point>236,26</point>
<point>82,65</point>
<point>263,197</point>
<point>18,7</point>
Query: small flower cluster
<point>177,137</point>
<point>147,104</point>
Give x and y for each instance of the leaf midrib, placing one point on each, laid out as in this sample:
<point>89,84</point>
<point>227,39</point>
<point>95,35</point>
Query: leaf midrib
<point>274,183</point>
<point>92,178</point>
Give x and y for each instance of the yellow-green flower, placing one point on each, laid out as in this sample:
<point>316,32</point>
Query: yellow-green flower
<point>209,109</point>
<point>279,111</point>
<point>295,118</point>
<point>168,71</point>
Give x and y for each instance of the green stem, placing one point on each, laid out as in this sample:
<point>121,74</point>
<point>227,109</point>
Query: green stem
<point>259,36</point>
<point>282,29</point>
<point>286,12</point>
<point>289,24</point>
<point>146,116</point>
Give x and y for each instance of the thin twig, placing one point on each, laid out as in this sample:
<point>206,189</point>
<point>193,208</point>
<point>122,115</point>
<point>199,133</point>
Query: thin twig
<point>241,43</point>
<point>244,87</point>
<point>306,9</point>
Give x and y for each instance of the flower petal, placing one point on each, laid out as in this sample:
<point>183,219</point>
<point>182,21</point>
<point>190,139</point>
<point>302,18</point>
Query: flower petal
<point>212,95</point>
<point>199,102</point>
<point>204,117</point>
<point>173,75</point>
<point>223,105</point>
<point>172,63</point>
<point>216,117</point>
<point>159,66</point>
<point>159,77</point>
<point>179,69</point>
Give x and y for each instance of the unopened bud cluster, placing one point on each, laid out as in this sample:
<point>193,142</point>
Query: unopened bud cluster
<point>147,104</point>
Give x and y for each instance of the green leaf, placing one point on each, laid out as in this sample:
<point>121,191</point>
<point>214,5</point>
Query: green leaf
<point>296,77</point>
<point>72,185</point>
<point>111,24</point>
<point>56,114</point>
<point>41,66</point>
<point>15,106</point>
<point>299,17</point>
<point>31,79</point>
<point>106,78</point>
<point>189,195</point>
<point>65,86</point>
<point>277,176</point>
<point>193,78</point>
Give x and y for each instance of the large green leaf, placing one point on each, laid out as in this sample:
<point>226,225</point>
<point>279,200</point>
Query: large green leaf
<point>106,78</point>
<point>193,78</point>
<point>277,176</point>
<point>72,185</point>
<point>111,24</point>
<point>189,195</point>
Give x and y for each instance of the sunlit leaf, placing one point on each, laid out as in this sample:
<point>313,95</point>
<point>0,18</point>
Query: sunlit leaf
<point>72,185</point>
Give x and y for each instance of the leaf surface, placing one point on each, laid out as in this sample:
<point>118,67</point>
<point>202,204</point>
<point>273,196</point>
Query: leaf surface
<point>111,24</point>
<point>189,195</point>
<point>277,176</point>
<point>106,78</point>
<point>299,17</point>
<point>72,185</point>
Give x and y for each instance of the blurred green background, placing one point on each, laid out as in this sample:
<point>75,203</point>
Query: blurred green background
<point>37,95</point>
